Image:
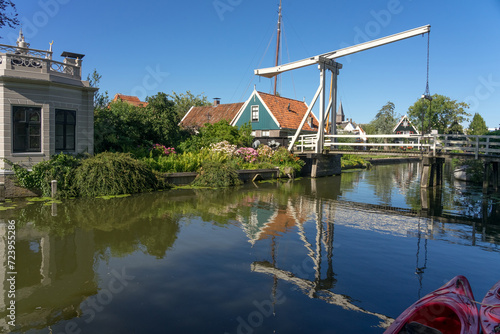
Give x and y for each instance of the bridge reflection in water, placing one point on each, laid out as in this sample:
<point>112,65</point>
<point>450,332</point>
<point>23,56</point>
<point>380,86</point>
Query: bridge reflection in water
<point>325,213</point>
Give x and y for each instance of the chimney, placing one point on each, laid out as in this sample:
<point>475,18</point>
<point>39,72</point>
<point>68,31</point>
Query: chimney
<point>216,101</point>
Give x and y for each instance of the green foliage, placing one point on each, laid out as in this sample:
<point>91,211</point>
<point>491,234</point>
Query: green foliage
<point>222,153</point>
<point>100,100</point>
<point>185,162</point>
<point>346,140</point>
<point>60,167</point>
<point>162,121</point>
<point>217,175</point>
<point>184,101</point>
<point>369,128</point>
<point>353,161</point>
<point>283,159</point>
<point>442,114</point>
<point>122,127</point>
<point>477,126</point>
<point>218,132</point>
<point>385,120</point>
<point>114,174</point>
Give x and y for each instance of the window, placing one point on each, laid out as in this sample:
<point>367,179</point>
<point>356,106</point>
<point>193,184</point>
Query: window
<point>255,113</point>
<point>65,130</point>
<point>265,133</point>
<point>27,129</point>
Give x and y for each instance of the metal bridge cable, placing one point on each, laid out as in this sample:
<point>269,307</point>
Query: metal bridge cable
<point>427,92</point>
<point>288,54</point>
<point>258,66</point>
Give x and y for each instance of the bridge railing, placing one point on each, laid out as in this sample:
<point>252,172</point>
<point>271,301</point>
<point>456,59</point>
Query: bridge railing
<point>307,143</point>
<point>462,144</point>
<point>435,144</point>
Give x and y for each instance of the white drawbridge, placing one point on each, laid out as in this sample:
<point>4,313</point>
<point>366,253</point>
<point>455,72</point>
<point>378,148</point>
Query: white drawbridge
<point>325,62</point>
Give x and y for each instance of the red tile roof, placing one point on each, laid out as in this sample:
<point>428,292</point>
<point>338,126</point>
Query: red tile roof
<point>133,100</point>
<point>288,117</point>
<point>199,116</point>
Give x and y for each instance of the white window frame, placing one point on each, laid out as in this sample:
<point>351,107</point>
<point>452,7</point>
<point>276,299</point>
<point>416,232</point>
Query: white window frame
<point>254,113</point>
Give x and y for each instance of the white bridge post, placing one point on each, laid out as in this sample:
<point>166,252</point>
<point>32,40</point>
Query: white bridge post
<point>321,128</point>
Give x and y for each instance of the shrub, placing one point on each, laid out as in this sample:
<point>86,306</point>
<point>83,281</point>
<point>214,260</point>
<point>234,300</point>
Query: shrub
<point>217,175</point>
<point>283,158</point>
<point>216,133</point>
<point>114,174</point>
<point>265,152</point>
<point>247,153</point>
<point>159,150</point>
<point>223,147</point>
<point>353,161</point>
<point>60,167</point>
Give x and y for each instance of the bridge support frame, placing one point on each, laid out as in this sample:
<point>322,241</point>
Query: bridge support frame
<point>490,175</point>
<point>319,165</point>
<point>432,172</point>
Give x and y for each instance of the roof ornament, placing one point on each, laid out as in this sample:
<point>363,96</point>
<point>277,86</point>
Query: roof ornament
<point>49,54</point>
<point>20,40</point>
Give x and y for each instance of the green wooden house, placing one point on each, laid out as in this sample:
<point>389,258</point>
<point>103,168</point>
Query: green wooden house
<point>274,118</point>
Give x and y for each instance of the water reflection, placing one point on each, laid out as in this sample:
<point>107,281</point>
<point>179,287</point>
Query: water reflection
<point>60,247</point>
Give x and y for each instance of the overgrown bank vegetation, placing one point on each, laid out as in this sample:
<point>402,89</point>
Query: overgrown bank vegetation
<point>136,146</point>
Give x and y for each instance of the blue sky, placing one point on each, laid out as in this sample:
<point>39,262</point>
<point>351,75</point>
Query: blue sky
<point>211,47</point>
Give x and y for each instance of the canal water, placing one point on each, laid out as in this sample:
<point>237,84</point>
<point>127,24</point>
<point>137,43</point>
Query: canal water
<point>343,254</point>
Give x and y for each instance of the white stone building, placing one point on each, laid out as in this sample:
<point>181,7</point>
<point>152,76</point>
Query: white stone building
<point>45,106</point>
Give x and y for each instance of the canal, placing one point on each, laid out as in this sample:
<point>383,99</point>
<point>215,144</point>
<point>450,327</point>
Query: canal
<point>343,254</point>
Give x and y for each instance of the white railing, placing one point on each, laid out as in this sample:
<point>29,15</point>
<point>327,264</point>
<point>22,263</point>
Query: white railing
<point>307,143</point>
<point>32,64</point>
<point>434,144</point>
<point>462,144</point>
<point>25,51</point>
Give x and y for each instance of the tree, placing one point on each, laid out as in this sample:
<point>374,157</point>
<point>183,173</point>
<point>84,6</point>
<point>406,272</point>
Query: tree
<point>385,120</point>
<point>121,127</point>
<point>8,18</point>
<point>163,121</point>
<point>440,114</point>
<point>100,100</point>
<point>184,101</point>
<point>478,126</point>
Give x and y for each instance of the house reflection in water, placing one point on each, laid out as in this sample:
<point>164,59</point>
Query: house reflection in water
<point>54,275</point>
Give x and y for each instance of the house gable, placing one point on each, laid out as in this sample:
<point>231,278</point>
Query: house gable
<point>280,113</point>
<point>405,126</point>
<point>265,119</point>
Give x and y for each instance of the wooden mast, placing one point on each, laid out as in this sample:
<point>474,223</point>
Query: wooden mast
<point>278,48</point>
